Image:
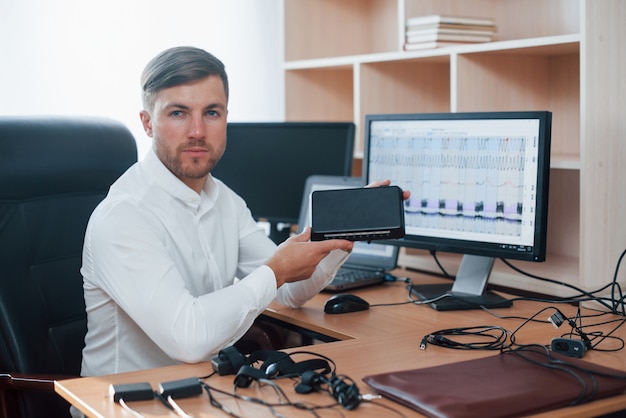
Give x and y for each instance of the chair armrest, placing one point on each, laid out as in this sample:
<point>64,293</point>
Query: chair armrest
<point>21,381</point>
<point>11,383</point>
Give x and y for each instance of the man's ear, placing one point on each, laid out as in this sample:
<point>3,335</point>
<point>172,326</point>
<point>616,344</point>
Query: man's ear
<point>146,122</point>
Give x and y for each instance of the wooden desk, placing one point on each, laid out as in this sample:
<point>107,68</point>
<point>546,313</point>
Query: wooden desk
<point>381,339</point>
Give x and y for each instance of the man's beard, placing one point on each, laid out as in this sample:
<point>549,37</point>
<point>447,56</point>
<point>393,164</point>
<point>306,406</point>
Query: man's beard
<point>194,169</point>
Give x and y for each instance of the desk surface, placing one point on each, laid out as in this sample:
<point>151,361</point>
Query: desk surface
<point>381,339</point>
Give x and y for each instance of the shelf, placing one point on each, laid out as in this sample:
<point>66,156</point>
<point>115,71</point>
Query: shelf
<point>565,161</point>
<point>549,46</point>
<point>535,73</point>
<point>344,60</point>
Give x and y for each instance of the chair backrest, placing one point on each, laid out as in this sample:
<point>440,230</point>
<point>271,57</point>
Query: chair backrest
<point>53,173</point>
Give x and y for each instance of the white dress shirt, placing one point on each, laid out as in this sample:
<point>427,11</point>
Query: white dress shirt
<point>172,277</point>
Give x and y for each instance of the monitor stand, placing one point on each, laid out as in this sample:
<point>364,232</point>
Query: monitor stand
<point>469,288</point>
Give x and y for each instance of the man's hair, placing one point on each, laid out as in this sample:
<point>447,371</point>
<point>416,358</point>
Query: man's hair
<point>176,66</point>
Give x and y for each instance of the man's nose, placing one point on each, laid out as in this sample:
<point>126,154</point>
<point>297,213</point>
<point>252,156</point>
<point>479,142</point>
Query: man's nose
<point>197,128</point>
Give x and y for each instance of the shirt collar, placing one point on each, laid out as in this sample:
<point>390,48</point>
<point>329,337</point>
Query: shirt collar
<point>175,187</point>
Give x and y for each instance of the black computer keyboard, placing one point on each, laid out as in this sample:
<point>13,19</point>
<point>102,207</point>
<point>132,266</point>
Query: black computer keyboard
<point>351,275</point>
<point>347,278</point>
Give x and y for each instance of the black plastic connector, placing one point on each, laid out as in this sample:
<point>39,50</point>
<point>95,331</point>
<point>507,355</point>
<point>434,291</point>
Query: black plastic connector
<point>424,342</point>
<point>130,392</point>
<point>557,319</point>
<point>182,388</point>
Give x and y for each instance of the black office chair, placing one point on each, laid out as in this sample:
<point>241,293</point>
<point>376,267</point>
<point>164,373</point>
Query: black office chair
<point>53,173</point>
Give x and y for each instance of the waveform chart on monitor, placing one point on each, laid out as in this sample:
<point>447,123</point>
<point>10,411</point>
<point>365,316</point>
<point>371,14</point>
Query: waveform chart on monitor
<point>462,185</point>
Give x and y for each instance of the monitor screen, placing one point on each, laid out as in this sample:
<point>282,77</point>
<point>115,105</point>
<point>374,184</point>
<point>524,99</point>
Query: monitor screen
<point>478,183</point>
<point>267,164</point>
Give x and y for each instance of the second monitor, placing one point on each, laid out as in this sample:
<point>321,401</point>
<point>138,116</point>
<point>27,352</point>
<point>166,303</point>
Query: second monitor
<point>267,164</point>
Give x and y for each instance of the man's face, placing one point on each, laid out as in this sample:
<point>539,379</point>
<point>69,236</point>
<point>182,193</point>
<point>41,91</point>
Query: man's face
<point>188,127</point>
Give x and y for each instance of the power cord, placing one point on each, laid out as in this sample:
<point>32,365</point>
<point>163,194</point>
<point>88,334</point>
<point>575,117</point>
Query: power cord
<point>433,253</point>
<point>129,409</point>
<point>616,304</point>
<point>411,300</point>
<point>582,295</point>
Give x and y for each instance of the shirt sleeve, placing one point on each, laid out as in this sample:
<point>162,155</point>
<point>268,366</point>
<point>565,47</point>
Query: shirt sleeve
<point>258,248</point>
<point>297,294</point>
<point>135,269</point>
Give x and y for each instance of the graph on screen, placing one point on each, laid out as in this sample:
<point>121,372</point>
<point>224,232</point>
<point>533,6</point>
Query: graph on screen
<point>465,181</point>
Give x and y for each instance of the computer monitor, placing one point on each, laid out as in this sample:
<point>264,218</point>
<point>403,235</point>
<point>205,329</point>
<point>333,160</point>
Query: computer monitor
<point>267,164</point>
<point>479,187</point>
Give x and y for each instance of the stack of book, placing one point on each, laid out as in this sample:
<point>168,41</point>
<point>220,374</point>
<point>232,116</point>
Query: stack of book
<point>434,31</point>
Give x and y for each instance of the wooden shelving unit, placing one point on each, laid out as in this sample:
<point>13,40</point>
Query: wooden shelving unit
<point>345,59</point>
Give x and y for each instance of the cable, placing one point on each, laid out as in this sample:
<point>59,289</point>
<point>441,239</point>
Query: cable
<point>445,273</point>
<point>555,366</point>
<point>492,337</point>
<point>577,330</point>
<point>598,338</point>
<point>208,375</point>
<point>129,409</point>
<point>179,411</point>
<point>312,378</point>
<point>554,320</point>
<point>422,301</point>
<point>616,304</point>
<point>270,405</point>
<point>410,300</point>
<point>497,315</point>
<point>616,284</point>
<point>214,402</point>
<point>544,279</point>
<point>569,367</point>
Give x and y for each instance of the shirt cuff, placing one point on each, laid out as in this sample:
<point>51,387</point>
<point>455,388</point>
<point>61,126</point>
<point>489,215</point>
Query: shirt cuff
<point>333,261</point>
<point>262,283</point>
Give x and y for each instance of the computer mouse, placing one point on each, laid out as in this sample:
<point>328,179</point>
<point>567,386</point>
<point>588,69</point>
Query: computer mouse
<point>345,303</point>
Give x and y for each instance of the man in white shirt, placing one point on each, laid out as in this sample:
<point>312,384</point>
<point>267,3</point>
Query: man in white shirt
<point>174,266</point>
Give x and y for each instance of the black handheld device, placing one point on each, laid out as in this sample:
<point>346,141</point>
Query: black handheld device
<point>357,214</point>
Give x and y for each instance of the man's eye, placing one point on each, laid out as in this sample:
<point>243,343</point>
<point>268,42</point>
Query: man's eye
<point>176,113</point>
<point>212,113</point>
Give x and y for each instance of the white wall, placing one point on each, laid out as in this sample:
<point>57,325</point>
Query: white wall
<point>85,57</point>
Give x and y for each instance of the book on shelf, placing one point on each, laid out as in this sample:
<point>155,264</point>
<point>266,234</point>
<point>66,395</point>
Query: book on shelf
<point>434,31</point>
<point>445,26</point>
<point>448,38</point>
<point>420,21</point>
<point>448,31</point>
<point>431,45</point>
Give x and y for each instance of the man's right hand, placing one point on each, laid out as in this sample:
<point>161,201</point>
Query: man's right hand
<point>296,258</point>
